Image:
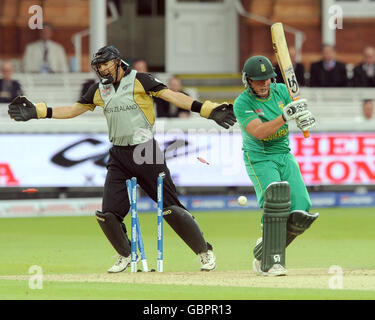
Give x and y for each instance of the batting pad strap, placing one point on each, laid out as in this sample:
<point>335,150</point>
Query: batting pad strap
<point>299,221</point>
<point>207,108</point>
<point>41,110</point>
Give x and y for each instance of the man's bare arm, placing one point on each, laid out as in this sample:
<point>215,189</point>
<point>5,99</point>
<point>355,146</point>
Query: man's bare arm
<point>177,98</point>
<point>262,130</point>
<point>222,114</point>
<point>22,109</point>
<point>67,112</point>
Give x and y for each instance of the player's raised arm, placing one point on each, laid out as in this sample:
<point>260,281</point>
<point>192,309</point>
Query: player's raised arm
<point>295,110</point>
<point>222,114</point>
<point>22,109</point>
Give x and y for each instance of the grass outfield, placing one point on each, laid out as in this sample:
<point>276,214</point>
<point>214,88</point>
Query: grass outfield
<point>74,256</point>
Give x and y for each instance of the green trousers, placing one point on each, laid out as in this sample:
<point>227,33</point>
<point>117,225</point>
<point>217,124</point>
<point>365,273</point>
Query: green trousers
<point>278,167</point>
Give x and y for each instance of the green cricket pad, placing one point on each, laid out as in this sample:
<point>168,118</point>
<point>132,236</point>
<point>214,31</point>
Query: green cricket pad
<point>275,216</point>
<point>298,222</point>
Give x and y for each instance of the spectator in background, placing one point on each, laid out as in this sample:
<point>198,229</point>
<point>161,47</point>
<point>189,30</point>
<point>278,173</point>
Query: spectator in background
<point>9,89</point>
<point>140,65</point>
<point>367,111</point>
<point>328,72</point>
<point>45,55</point>
<point>164,108</point>
<point>364,73</point>
<point>168,110</point>
<point>298,67</point>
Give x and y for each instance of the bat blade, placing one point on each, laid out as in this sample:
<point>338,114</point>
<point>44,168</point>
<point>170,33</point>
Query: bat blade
<point>280,47</point>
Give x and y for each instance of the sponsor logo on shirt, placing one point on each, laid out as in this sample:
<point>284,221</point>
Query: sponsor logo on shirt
<point>281,105</point>
<point>120,108</point>
<point>277,135</point>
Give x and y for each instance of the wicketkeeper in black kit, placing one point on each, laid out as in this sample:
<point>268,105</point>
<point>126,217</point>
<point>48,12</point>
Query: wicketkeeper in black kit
<point>126,98</point>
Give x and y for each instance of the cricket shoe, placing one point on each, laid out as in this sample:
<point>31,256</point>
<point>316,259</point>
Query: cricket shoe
<point>208,261</point>
<point>256,267</point>
<point>274,271</point>
<point>121,264</point>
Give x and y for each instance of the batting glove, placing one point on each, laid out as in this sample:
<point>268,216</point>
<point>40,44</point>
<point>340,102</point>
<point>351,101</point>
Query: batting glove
<point>295,110</point>
<point>306,121</point>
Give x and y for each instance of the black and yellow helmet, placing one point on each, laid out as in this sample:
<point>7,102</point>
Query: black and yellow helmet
<point>257,68</point>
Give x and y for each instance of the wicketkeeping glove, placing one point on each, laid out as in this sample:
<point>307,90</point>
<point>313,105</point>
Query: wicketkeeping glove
<point>306,121</point>
<point>22,109</point>
<point>295,110</point>
<point>222,114</point>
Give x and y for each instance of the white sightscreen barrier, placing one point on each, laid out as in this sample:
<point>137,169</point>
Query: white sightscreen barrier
<point>78,160</point>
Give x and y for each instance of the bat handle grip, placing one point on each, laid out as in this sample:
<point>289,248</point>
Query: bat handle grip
<point>306,134</point>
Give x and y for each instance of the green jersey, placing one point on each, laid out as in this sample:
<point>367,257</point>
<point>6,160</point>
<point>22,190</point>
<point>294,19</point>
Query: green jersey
<point>248,107</point>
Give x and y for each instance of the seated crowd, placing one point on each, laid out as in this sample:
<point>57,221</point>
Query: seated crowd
<point>47,56</point>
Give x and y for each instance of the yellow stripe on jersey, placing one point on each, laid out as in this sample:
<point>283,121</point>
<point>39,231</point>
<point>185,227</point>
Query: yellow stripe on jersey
<point>144,101</point>
<point>252,168</point>
<point>157,93</point>
<point>98,101</point>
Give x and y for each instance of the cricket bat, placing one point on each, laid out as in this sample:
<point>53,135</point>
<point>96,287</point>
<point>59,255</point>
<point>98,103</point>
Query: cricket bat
<point>280,48</point>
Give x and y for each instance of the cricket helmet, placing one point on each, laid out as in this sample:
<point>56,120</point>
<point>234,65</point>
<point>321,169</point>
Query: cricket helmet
<point>106,54</point>
<point>257,68</point>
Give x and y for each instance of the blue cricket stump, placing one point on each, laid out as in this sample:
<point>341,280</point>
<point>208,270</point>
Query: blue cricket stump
<point>160,221</point>
<point>141,247</point>
<point>133,206</point>
<point>136,234</point>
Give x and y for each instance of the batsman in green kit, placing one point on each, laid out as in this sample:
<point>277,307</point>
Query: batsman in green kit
<point>263,111</point>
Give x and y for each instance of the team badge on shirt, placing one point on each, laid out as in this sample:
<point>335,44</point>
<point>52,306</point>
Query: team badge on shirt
<point>281,105</point>
<point>105,91</point>
<point>259,112</point>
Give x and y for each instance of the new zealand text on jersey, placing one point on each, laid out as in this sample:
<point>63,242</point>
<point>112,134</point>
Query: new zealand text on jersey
<point>120,108</point>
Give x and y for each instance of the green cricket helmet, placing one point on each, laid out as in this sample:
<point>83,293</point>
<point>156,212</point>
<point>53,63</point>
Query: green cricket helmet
<point>257,68</point>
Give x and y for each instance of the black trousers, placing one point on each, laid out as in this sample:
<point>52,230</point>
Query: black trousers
<point>145,162</point>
